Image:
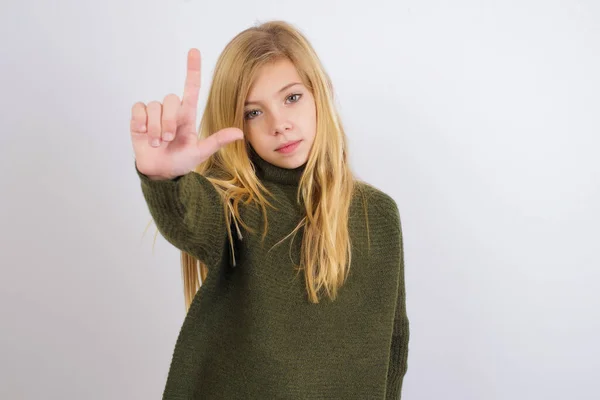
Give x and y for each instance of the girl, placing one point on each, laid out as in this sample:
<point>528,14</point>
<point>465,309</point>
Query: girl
<point>272,153</point>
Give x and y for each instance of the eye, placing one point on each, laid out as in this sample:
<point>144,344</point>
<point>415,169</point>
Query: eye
<point>249,114</point>
<point>252,113</point>
<point>295,94</point>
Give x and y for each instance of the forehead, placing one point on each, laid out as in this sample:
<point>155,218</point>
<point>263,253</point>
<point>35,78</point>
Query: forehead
<point>273,76</point>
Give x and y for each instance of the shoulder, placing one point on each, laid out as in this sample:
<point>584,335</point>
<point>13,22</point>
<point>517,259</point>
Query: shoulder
<point>379,204</point>
<point>376,198</point>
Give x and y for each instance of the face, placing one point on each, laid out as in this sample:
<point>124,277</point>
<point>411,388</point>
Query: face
<point>279,110</point>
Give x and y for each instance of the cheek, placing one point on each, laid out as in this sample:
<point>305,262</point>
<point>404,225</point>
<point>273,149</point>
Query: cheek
<point>310,120</point>
<point>249,133</point>
<point>253,129</point>
<point>307,115</point>
<point>257,126</point>
<point>255,134</point>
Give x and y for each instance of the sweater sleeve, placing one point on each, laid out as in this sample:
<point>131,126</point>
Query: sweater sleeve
<point>189,213</point>
<point>399,347</point>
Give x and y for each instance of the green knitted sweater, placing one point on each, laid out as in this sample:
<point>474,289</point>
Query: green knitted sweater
<point>250,332</point>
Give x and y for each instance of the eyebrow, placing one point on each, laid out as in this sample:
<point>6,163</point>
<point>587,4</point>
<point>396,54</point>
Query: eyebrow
<point>289,85</point>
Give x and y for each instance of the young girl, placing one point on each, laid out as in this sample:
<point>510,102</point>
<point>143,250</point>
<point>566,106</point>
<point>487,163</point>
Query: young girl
<point>312,308</point>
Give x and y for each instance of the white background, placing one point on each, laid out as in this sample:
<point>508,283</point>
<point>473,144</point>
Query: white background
<point>480,118</point>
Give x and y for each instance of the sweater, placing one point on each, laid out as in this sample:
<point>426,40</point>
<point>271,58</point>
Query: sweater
<point>250,331</point>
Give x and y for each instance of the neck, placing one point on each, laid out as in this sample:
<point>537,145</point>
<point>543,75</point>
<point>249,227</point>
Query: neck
<point>266,171</point>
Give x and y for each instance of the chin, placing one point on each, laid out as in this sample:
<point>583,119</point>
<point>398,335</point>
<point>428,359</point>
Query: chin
<point>292,162</point>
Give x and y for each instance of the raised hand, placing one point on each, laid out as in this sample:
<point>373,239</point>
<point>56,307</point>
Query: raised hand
<point>165,137</point>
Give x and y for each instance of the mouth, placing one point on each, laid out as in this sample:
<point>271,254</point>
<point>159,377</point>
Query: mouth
<point>288,145</point>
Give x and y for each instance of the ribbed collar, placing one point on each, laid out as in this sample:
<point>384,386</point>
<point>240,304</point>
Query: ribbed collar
<point>272,173</point>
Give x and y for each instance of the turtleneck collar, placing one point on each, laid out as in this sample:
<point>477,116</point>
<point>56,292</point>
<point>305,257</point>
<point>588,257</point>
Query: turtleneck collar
<point>272,173</point>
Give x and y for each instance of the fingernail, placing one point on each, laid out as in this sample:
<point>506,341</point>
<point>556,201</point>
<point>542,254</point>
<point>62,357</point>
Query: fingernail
<point>155,142</point>
<point>168,136</point>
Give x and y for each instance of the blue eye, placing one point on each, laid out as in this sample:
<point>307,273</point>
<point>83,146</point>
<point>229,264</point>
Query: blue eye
<point>295,94</point>
<point>248,114</point>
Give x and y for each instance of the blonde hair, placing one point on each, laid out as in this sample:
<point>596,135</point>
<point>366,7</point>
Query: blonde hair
<point>327,185</point>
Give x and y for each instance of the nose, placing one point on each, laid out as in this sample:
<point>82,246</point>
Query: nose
<point>280,124</point>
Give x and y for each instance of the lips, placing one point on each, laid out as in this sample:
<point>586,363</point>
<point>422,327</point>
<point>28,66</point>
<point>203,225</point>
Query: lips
<point>287,144</point>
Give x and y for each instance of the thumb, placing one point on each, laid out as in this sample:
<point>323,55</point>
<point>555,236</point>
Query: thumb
<point>207,147</point>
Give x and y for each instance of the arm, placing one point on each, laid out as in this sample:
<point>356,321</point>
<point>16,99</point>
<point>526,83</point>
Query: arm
<point>400,336</point>
<point>189,213</point>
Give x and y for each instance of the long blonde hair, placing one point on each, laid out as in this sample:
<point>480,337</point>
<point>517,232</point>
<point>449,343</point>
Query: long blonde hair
<point>327,185</point>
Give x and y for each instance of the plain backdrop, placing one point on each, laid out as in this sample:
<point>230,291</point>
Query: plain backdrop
<point>480,118</point>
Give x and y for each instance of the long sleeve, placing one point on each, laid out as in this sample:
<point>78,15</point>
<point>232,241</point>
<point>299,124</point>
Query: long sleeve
<point>399,348</point>
<point>189,213</point>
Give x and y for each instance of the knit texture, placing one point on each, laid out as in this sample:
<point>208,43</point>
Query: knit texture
<point>250,332</point>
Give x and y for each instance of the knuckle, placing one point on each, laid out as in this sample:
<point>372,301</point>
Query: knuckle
<point>169,125</point>
<point>154,117</point>
<point>154,104</point>
<point>153,131</point>
<point>154,128</point>
<point>134,126</point>
<point>138,111</point>
<point>137,107</point>
<point>171,97</point>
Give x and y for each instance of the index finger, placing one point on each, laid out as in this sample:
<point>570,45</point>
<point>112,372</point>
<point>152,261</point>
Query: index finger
<point>191,90</point>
